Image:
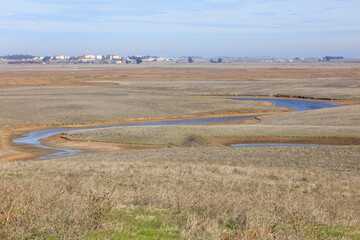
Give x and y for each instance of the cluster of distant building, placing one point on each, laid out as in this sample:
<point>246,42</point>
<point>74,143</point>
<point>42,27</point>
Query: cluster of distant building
<point>137,59</point>
<point>98,59</point>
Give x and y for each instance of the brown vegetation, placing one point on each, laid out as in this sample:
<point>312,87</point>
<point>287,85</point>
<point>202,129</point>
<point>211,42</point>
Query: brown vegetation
<point>216,193</point>
<point>290,140</point>
<point>73,77</point>
<point>176,135</point>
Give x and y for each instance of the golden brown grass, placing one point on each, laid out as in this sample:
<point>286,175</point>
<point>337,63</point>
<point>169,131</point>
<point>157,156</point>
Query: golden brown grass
<point>90,77</point>
<point>177,135</point>
<point>341,116</point>
<point>212,193</point>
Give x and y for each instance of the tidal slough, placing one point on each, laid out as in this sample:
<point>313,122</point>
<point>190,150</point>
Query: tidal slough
<point>34,138</point>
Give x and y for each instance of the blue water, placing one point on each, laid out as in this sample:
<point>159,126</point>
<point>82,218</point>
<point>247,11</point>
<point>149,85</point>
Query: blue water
<point>187,122</point>
<point>297,105</point>
<point>33,138</point>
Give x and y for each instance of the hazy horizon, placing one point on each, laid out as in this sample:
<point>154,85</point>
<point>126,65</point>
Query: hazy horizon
<point>207,28</point>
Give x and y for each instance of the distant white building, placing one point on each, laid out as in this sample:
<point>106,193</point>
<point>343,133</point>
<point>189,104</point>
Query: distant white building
<point>61,57</point>
<point>150,60</point>
<point>87,58</point>
<point>93,57</point>
<point>115,57</point>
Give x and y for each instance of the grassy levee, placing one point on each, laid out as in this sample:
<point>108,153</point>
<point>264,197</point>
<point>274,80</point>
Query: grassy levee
<point>178,135</point>
<point>341,116</point>
<point>342,122</point>
<point>186,193</point>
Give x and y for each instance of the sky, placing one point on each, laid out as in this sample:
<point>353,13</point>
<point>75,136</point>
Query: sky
<point>208,28</point>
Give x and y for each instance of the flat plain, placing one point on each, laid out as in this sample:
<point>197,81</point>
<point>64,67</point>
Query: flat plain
<point>171,182</point>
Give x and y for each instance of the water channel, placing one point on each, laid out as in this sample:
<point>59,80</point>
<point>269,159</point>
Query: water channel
<point>33,138</point>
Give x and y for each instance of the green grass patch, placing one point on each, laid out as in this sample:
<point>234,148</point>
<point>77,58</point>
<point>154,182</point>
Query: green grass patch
<point>13,175</point>
<point>139,223</point>
<point>316,231</point>
<point>336,232</point>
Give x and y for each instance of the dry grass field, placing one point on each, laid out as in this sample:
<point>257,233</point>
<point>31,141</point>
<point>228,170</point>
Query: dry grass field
<point>72,76</point>
<point>179,135</point>
<point>189,193</point>
<point>190,186</point>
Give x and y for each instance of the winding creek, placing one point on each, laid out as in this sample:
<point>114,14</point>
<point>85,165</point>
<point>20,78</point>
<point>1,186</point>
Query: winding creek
<point>34,138</point>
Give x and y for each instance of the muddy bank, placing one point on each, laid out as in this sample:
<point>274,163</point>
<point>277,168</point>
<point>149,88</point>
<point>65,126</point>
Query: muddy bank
<point>28,152</point>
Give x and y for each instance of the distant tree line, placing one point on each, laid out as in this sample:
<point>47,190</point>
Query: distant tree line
<point>17,57</point>
<point>328,58</point>
<point>219,60</point>
<point>47,58</point>
<point>137,59</point>
<point>148,56</point>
